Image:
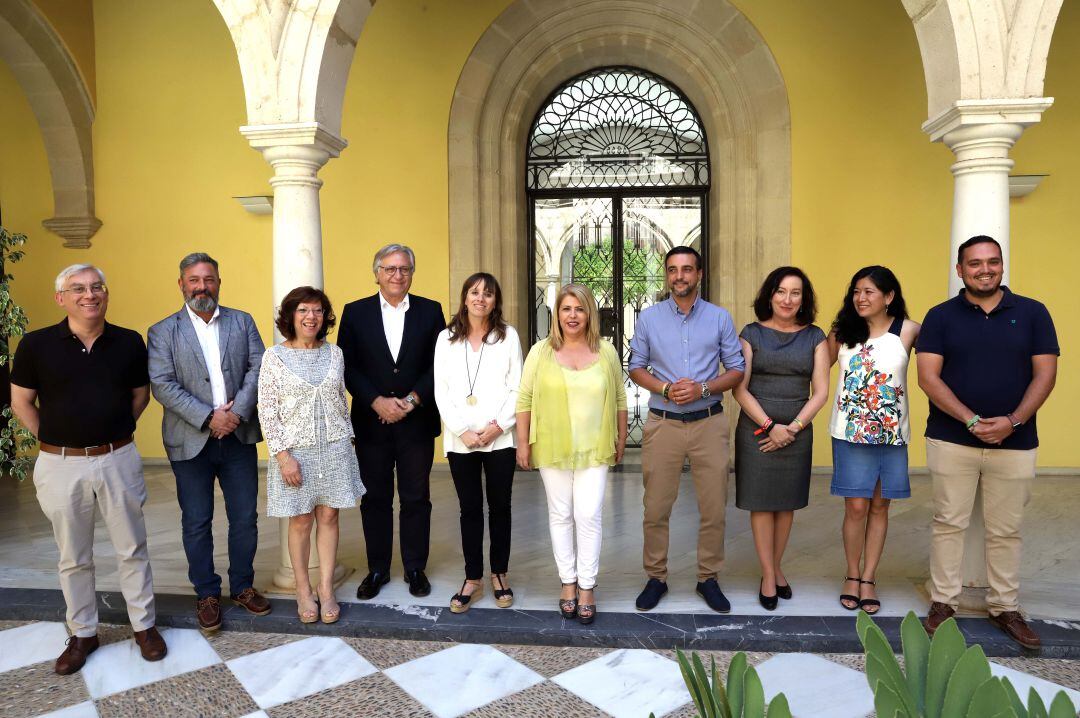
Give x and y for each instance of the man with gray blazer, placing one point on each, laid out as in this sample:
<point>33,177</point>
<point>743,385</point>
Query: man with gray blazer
<point>204,369</point>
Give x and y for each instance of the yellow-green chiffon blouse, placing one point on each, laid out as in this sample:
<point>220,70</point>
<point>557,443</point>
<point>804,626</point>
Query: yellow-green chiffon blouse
<point>574,423</point>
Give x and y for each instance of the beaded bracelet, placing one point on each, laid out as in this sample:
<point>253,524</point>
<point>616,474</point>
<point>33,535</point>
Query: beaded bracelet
<point>973,421</point>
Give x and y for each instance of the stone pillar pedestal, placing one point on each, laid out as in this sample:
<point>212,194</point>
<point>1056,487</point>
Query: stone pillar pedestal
<point>981,133</point>
<point>296,151</point>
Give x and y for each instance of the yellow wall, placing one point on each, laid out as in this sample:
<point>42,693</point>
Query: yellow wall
<point>868,187</point>
<point>73,21</point>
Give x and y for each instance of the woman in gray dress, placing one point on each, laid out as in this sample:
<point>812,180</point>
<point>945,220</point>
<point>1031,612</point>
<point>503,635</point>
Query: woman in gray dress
<point>785,384</point>
<point>313,470</point>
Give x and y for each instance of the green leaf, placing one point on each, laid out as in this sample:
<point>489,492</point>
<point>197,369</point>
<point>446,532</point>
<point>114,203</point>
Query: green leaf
<point>691,681</point>
<point>881,665</point>
<point>719,694</point>
<point>735,672</point>
<point>970,672</point>
<point>945,650</point>
<point>778,707</point>
<point>753,695</point>
<point>707,697</point>
<point>887,703</point>
<point>1014,699</point>
<point>1062,707</point>
<point>990,699</point>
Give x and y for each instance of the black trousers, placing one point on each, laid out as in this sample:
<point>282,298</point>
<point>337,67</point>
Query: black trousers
<point>412,458</point>
<point>498,469</point>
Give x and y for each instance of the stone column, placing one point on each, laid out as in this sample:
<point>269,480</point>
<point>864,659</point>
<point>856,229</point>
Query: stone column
<point>981,133</point>
<point>296,151</point>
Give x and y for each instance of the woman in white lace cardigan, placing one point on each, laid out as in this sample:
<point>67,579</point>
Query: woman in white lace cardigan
<point>313,470</point>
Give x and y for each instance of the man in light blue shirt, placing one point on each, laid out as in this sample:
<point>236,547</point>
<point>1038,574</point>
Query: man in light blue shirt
<point>685,351</point>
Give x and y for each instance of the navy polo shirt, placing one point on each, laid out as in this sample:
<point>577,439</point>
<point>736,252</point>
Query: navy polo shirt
<point>987,361</point>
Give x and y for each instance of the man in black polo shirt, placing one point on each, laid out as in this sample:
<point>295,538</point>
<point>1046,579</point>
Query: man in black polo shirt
<point>987,360</point>
<point>79,386</point>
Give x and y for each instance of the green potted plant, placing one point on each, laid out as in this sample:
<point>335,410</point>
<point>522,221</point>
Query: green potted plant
<point>744,696</point>
<point>15,440</point>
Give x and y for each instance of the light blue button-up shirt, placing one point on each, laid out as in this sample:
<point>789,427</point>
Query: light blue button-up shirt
<point>676,345</point>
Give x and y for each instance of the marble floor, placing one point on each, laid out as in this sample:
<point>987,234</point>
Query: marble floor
<point>285,676</point>
<point>813,564</point>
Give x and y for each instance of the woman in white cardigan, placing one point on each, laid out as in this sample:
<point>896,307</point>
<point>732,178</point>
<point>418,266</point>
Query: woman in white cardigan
<point>477,371</point>
<point>313,470</point>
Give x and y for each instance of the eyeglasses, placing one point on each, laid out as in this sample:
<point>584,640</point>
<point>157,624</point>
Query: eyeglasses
<point>304,311</point>
<point>403,271</point>
<point>96,289</point>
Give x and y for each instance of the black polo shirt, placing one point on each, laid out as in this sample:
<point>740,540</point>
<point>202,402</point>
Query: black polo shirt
<point>987,361</point>
<point>84,397</point>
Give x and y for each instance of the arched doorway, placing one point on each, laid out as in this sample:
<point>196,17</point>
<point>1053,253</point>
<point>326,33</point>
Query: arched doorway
<point>617,172</point>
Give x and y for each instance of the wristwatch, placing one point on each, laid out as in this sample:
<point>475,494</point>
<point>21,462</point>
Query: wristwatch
<point>411,399</point>
<point>1016,423</point>
<point>705,393</point>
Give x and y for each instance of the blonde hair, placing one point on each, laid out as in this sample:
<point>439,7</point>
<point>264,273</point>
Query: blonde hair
<point>592,331</point>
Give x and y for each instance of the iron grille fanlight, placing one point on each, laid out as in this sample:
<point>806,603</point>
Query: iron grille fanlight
<point>617,127</point>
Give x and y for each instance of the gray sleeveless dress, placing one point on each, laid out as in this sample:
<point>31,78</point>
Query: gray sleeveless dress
<point>780,381</point>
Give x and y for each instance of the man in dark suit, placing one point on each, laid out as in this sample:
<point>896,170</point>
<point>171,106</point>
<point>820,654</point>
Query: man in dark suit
<point>204,369</point>
<point>388,340</point>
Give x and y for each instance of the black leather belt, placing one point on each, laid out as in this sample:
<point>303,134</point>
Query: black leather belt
<point>688,416</point>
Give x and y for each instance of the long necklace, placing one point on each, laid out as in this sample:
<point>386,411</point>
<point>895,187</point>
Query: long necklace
<point>471,398</point>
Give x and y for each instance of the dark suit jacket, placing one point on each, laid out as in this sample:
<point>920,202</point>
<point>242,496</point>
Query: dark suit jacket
<point>371,372</point>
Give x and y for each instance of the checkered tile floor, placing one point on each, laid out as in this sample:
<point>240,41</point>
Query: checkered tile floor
<point>279,675</point>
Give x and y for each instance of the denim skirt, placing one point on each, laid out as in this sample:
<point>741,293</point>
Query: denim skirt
<point>857,468</point>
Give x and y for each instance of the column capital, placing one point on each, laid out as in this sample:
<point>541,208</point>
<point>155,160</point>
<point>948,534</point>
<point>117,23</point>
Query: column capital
<point>1022,112</point>
<point>297,134</point>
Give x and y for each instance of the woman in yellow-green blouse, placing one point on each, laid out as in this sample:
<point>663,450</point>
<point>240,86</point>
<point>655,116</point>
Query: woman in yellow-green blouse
<point>571,424</point>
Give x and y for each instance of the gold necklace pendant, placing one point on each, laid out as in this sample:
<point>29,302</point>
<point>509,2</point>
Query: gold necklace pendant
<point>470,400</point>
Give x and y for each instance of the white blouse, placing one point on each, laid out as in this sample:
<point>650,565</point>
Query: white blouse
<point>495,377</point>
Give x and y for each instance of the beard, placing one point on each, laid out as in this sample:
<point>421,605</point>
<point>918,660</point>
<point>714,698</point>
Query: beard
<point>203,302</point>
<point>982,293</point>
<point>683,290</point>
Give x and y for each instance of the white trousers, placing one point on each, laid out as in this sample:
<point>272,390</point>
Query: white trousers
<point>575,505</point>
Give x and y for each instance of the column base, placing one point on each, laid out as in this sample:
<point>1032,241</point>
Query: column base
<point>284,583</point>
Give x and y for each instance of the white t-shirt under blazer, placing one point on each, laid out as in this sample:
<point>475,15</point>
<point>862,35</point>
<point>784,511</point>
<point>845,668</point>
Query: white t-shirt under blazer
<point>495,377</point>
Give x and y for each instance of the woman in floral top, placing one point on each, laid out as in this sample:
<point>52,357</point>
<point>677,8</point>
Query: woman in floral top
<point>872,339</point>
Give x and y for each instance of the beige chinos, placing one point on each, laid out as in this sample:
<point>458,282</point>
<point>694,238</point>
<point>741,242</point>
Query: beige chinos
<point>666,444</point>
<point>69,489</point>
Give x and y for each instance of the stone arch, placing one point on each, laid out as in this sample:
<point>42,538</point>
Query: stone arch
<point>982,49</point>
<point>709,50</point>
<point>61,103</point>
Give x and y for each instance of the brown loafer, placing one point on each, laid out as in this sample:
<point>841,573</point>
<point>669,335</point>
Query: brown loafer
<point>1017,629</point>
<point>253,601</point>
<point>74,656</point>
<point>208,613</point>
<point>939,613</point>
<point>151,644</point>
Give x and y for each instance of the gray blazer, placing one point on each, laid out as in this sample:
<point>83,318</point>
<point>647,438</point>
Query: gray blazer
<point>181,382</point>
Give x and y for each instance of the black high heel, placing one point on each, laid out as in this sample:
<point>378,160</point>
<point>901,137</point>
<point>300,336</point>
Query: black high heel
<point>849,597</point>
<point>568,606</point>
<point>868,603</point>
<point>767,602</point>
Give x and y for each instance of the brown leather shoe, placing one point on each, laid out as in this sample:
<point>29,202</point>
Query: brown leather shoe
<point>151,644</point>
<point>74,656</point>
<point>208,612</point>
<point>939,613</point>
<point>253,601</point>
<point>1017,629</point>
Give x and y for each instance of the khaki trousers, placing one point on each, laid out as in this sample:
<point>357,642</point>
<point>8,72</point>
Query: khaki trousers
<point>667,443</point>
<point>68,489</point>
<point>1005,476</point>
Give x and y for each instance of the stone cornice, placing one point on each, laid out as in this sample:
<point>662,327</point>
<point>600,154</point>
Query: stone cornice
<point>76,231</point>
<point>964,113</point>
<point>309,134</point>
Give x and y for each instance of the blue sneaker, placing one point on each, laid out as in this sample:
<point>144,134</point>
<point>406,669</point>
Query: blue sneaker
<point>651,595</point>
<point>714,597</point>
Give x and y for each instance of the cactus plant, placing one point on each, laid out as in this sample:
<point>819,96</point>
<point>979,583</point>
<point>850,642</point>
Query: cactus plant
<point>944,677</point>
<point>744,696</point>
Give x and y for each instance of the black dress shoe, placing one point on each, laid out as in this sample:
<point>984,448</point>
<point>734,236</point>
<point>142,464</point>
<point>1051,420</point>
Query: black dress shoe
<point>371,585</point>
<point>714,597</point>
<point>767,602</point>
<point>654,590</point>
<point>418,583</point>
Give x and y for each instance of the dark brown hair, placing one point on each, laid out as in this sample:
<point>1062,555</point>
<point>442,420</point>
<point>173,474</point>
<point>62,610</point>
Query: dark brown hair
<point>763,303</point>
<point>459,323</point>
<point>293,300</point>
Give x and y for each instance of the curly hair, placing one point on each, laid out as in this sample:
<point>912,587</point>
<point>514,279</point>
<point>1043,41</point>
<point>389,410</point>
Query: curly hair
<point>293,300</point>
<point>763,302</point>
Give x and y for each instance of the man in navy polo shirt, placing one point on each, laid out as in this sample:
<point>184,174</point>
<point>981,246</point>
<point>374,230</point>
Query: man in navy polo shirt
<point>987,360</point>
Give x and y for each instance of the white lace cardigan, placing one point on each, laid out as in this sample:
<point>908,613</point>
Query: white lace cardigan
<point>287,403</point>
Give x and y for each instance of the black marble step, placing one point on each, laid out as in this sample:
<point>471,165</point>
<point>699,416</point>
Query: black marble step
<point>698,631</point>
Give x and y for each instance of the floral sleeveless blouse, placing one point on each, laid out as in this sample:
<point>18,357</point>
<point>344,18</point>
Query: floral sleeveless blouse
<point>871,405</point>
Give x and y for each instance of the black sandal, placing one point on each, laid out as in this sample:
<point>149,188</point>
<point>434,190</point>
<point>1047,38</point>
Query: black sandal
<point>460,603</point>
<point>849,597</point>
<point>873,603</point>
<point>586,612</point>
<point>568,606</point>
<point>504,597</point>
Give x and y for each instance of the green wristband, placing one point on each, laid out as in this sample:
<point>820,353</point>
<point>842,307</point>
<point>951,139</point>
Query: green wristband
<point>973,421</point>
